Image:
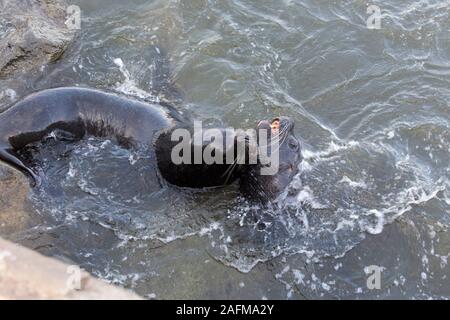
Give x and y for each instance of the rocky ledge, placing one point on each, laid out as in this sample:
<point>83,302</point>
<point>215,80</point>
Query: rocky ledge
<point>32,33</point>
<point>25,274</point>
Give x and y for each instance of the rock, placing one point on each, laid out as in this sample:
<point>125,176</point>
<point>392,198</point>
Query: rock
<point>25,274</point>
<point>14,189</point>
<point>32,33</point>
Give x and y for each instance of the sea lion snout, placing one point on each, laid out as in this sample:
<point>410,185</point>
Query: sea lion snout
<point>281,138</point>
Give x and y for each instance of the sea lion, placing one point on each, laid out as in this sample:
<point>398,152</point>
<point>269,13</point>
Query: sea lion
<point>265,188</point>
<point>82,111</point>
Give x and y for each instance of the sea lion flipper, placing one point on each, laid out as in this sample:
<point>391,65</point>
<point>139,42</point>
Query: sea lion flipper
<point>15,162</point>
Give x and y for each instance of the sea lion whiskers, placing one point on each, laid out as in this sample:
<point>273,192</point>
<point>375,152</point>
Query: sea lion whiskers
<point>275,142</point>
<point>278,145</point>
<point>230,170</point>
<point>259,189</point>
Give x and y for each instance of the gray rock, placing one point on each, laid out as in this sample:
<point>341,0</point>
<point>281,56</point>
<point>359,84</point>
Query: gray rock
<point>25,274</point>
<point>14,189</point>
<point>32,33</point>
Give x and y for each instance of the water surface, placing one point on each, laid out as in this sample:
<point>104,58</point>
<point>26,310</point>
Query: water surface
<point>371,111</point>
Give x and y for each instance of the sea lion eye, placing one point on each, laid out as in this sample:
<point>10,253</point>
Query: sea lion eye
<point>293,144</point>
<point>275,125</point>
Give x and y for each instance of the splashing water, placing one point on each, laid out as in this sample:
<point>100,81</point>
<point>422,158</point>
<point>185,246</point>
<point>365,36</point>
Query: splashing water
<point>371,109</point>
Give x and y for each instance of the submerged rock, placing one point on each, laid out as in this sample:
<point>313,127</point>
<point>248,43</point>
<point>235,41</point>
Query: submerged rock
<point>25,274</point>
<point>32,33</point>
<point>14,189</point>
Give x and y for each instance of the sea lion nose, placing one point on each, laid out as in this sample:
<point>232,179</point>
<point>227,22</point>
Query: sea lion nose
<point>275,125</point>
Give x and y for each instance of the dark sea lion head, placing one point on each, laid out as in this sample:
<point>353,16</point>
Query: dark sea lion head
<point>280,140</point>
<point>275,137</point>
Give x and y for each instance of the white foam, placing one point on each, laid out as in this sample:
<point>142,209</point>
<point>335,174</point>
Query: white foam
<point>299,276</point>
<point>8,93</point>
<point>332,149</point>
<point>129,86</point>
<point>353,184</point>
<point>306,195</point>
